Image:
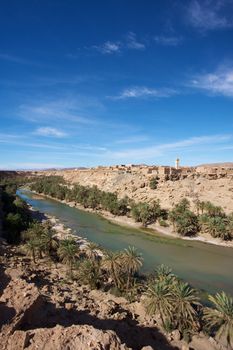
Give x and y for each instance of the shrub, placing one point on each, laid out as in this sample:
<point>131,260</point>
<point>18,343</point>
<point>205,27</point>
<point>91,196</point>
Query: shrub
<point>154,182</point>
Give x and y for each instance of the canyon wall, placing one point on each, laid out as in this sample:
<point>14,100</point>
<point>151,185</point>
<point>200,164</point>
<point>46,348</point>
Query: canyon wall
<point>205,183</point>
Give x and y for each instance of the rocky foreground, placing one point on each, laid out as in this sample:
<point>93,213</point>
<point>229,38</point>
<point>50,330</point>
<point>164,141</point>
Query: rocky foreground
<point>41,309</point>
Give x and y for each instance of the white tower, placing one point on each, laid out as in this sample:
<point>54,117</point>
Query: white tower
<point>177,163</point>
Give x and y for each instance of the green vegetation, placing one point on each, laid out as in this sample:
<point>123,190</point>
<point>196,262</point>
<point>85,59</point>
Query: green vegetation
<point>220,319</point>
<point>175,302</point>
<point>67,251</point>
<point>184,221</point>
<point>208,217</point>
<point>154,182</point>
<point>214,221</point>
<point>14,211</point>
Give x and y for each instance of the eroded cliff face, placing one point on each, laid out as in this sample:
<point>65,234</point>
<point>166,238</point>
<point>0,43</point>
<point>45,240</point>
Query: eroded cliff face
<point>205,184</point>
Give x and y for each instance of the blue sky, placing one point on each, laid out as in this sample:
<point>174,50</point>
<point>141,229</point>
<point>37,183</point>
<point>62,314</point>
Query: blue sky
<point>85,83</point>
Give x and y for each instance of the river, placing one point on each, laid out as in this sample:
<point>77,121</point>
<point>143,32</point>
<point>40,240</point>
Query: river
<point>205,266</point>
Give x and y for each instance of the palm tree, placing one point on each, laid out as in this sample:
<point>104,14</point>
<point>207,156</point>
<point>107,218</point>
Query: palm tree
<point>48,242</point>
<point>185,302</point>
<point>159,300</point>
<point>91,251</point>
<point>111,263</point>
<point>88,272</point>
<point>132,261</point>
<point>216,226</point>
<point>31,247</point>
<point>34,231</point>
<point>164,273</point>
<point>200,206</point>
<point>67,252</point>
<point>172,216</point>
<point>213,210</point>
<point>220,319</point>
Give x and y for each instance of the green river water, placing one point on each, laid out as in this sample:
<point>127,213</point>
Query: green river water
<point>205,266</point>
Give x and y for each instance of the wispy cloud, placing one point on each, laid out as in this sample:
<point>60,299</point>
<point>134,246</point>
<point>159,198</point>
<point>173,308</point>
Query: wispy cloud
<point>108,48</point>
<point>133,43</point>
<point>49,132</point>
<point>133,139</point>
<point>219,82</point>
<point>129,42</point>
<point>209,14</point>
<point>168,40</point>
<point>179,146</point>
<point>65,109</point>
<point>16,59</point>
<point>144,92</point>
<point>25,140</point>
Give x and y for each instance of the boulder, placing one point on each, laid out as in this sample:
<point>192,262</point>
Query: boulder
<point>201,342</point>
<point>25,299</point>
<point>69,338</point>
<point>175,335</point>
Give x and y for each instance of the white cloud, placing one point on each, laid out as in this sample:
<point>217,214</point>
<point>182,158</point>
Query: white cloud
<point>109,47</point>
<point>208,14</point>
<point>62,148</point>
<point>50,132</point>
<point>15,59</point>
<point>66,109</point>
<point>161,149</point>
<point>133,43</point>
<point>168,40</point>
<point>130,42</point>
<point>133,139</point>
<point>144,92</point>
<point>219,82</point>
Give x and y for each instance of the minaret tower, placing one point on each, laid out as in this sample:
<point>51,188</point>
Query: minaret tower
<point>177,163</point>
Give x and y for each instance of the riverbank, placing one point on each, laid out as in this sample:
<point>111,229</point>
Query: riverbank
<point>61,231</point>
<point>125,221</point>
<point>204,266</point>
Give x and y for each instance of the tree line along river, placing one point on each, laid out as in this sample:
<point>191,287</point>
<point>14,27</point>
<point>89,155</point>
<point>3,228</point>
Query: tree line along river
<point>205,266</point>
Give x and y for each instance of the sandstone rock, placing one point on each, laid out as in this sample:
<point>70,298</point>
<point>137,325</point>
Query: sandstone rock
<point>69,338</point>
<point>24,298</point>
<point>19,340</point>
<point>69,306</point>
<point>185,347</point>
<point>175,335</point>
<point>20,304</point>
<point>201,342</point>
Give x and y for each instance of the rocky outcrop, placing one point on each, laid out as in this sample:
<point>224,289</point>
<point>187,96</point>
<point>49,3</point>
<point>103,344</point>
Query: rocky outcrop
<point>19,305</point>
<point>66,338</point>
